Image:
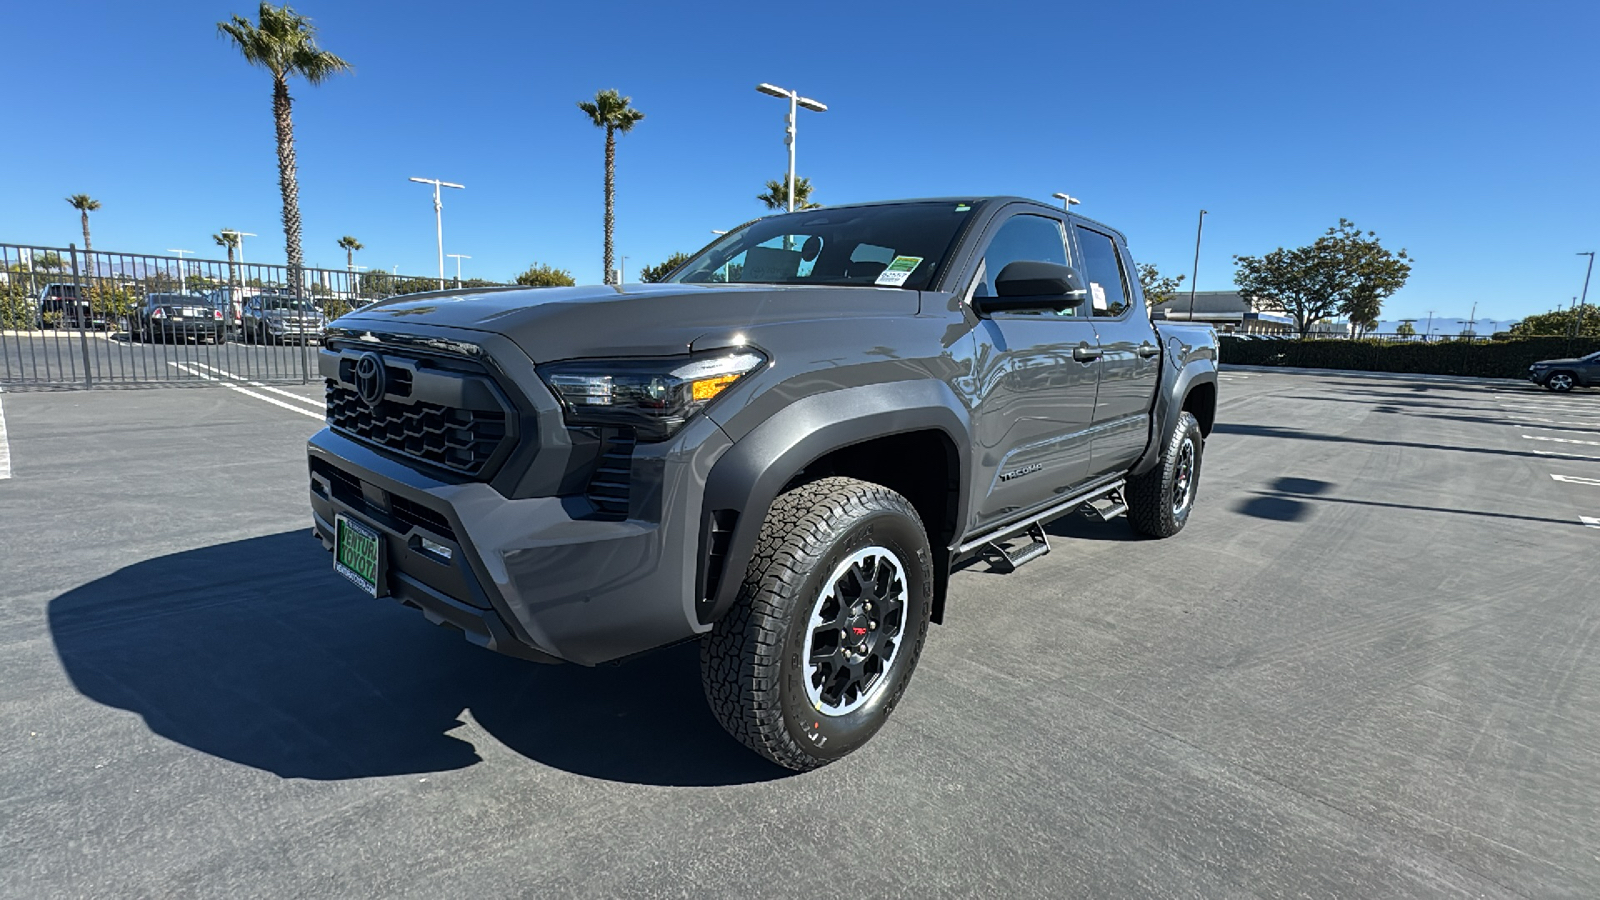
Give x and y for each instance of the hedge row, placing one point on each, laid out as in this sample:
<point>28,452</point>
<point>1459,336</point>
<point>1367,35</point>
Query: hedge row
<point>1478,359</point>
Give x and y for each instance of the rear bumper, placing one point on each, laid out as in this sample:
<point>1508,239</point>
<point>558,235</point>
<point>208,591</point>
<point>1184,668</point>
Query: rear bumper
<point>539,577</point>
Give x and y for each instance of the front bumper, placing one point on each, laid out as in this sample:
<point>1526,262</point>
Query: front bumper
<point>539,577</point>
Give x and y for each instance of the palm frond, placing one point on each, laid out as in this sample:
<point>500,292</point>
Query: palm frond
<point>284,43</point>
<point>83,202</point>
<point>609,109</point>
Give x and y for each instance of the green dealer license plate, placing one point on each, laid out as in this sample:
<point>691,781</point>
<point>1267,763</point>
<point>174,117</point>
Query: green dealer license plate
<point>356,553</point>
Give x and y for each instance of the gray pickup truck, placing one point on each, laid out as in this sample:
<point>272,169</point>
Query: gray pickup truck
<point>781,451</point>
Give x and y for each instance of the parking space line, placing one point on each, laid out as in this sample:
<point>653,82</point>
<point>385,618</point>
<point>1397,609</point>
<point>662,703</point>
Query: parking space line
<point>1574,479</point>
<point>1590,521</point>
<point>5,447</point>
<point>310,400</point>
<point>1540,437</point>
<point>249,393</point>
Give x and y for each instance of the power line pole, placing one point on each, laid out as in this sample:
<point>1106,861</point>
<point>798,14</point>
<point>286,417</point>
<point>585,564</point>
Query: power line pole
<point>1577,328</point>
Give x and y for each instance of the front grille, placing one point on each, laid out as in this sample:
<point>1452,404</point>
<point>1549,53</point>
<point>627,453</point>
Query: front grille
<point>612,482</point>
<point>404,515</point>
<point>461,440</point>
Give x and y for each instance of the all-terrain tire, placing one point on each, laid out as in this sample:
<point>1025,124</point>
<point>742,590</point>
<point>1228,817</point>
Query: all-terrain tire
<point>756,679</point>
<point>1159,501</point>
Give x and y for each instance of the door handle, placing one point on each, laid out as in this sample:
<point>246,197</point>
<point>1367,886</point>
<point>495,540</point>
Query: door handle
<point>1084,353</point>
<point>1148,350</point>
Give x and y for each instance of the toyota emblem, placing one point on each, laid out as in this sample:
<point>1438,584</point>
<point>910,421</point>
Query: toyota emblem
<point>372,381</point>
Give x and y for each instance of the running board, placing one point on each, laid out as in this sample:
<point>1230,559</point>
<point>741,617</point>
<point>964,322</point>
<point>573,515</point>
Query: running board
<point>1016,560</point>
<point>1114,506</point>
<point>1055,511</point>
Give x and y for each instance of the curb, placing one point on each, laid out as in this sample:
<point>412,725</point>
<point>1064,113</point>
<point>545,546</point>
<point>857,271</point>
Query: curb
<point>1382,376</point>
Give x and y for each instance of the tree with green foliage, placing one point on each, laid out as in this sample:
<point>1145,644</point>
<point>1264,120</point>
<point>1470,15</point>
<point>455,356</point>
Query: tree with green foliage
<point>284,43</point>
<point>84,204</point>
<point>48,261</point>
<point>1157,288</point>
<point>650,274</point>
<point>1343,273</point>
<point>228,238</point>
<point>610,110</point>
<point>350,245</point>
<point>1557,323</point>
<point>541,275</point>
<point>777,195</point>
<point>1405,329</point>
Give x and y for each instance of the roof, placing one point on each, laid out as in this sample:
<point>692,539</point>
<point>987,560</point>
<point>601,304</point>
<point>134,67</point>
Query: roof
<point>975,201</point>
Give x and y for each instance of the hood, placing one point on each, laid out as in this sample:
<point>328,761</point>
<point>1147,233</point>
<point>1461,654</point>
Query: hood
<point>628,320</point>
<point>1557,362</point>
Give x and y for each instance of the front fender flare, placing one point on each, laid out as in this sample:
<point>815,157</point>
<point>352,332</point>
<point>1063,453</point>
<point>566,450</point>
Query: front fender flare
<point>749,476</point>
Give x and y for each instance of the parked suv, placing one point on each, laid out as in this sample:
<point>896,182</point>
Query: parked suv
<point>1563,375</point>
<point>782,450</point>
<point>277,319</point>
<point>67,306</point>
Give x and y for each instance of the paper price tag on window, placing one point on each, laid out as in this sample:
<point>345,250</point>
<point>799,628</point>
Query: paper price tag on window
<point>1099,294</point>
<point>898,271</point>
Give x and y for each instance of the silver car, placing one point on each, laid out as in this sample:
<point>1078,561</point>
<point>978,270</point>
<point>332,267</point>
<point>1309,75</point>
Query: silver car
<point>275,320</point>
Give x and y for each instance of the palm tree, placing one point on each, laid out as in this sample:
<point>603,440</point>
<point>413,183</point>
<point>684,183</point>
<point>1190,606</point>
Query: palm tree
<point>350,245</point>
<point>610,111</point>
<point>284,44</point>
<point>229,238</point>
<point>85,204</point>
<point>777,195</point>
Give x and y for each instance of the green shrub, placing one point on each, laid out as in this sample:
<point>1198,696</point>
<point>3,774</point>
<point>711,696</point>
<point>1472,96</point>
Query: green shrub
<point>1475,359</point>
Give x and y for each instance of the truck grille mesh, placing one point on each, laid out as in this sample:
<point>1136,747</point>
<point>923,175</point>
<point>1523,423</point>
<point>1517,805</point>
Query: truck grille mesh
<point>461,440</point>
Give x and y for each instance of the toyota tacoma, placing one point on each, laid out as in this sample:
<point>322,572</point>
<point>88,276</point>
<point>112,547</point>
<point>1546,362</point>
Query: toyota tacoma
<point>782,451</point>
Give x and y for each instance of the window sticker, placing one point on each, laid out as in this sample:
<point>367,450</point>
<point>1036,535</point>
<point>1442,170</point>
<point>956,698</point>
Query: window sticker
<point>1099,294</point>
<point>899,270</point>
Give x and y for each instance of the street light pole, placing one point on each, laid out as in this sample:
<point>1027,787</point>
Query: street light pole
<point>1067,201</point>
<point>458,257</point>
<point>1194,277</point>
<point>1577,328</point>
<point>438,216</point>
<point>795,102</point>
<point>183,275</point>
<point>241,235</point>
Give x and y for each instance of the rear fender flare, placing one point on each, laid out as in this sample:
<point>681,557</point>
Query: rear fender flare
<point>1175,389</point>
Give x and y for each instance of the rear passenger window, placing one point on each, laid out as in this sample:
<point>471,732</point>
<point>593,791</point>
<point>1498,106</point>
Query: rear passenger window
<point>1108,283</point>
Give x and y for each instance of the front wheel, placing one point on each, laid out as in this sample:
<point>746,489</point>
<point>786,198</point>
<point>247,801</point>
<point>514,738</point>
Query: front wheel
<point>821,642</point>
<point>1159,501</point>
<point>1560,382</point>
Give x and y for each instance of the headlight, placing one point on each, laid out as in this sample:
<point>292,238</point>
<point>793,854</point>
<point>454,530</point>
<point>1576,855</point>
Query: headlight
<point>653,396</point>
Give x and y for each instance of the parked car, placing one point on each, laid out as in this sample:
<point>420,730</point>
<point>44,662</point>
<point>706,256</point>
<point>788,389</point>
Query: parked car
<point>66,306</point>
<point>166,317</point>
<point>783,450</point>
<point>1562,375</point>
<point>278,319</point>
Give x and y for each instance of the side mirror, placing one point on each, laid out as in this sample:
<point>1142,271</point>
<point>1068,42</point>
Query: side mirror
<point>1030,285</point>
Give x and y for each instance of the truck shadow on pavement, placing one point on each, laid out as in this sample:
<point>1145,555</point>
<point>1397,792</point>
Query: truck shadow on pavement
<point>256,652</point>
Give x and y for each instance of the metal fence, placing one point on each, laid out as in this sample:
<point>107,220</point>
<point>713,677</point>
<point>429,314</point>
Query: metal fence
<point>75,318</point>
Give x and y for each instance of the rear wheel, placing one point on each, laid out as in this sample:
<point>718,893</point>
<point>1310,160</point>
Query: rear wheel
<point>1159,501</point>
<point>829,622</point>
<point>1560,382</point>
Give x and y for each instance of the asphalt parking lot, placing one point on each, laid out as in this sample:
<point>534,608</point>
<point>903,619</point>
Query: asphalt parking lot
<point>1370,667</point>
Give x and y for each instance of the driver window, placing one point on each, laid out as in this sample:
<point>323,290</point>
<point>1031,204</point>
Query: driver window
<point>1024,237</point>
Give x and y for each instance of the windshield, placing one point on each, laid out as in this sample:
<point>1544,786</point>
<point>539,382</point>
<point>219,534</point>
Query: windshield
<point>901,245</point>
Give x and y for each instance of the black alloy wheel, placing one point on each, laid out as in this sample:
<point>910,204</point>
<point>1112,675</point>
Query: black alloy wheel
<point>1160,500</point>
<point>817,650</point>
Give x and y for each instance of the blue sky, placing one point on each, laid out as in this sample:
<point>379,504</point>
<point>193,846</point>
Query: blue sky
<point>1464,132</point>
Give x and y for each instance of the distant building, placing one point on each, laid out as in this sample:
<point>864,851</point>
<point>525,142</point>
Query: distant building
<point>1227,311</point>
